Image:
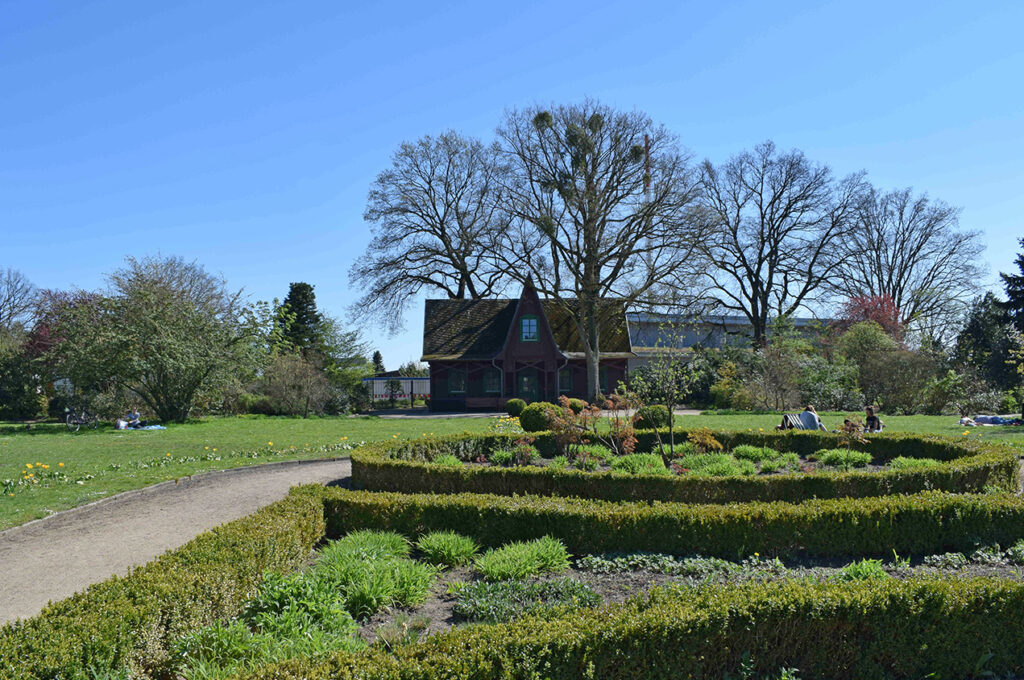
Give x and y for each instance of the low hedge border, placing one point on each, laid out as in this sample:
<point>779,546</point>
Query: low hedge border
<point>969,467</point>
<point>920,524</point>
<point>129,621</point>
<point>911,629</point>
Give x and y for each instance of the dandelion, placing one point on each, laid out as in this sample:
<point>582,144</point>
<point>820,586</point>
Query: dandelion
<point>761,429</point>
<point>46,467</point>
<point>28,465</point>
<point>206,448</point>
<point>215,449</point>
<point>60,464</point>
<point>168,455</point>
<point>965,433</point>
<point>270,443</point>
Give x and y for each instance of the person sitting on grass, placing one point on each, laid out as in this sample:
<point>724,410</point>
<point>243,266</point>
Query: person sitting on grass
<point>872,423</point>
<point>133,419</point>
<point>809,419</point>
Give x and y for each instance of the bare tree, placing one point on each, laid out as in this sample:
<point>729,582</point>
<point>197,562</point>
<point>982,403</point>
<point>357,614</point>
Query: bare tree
<point>601,201</point>
<point>17,298</point>
<point>431,212</point>
<point>778,221</point>
<point>910,249</point>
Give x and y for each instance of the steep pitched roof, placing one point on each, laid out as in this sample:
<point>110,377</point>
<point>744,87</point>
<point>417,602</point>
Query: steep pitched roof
<point>477,329</point>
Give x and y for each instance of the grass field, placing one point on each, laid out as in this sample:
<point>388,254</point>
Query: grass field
<point>107,461</point>
<point>103,462</point>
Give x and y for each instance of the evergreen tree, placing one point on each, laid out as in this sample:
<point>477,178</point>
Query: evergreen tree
<point>1014,284</point>
<point>985,343</point>
<point>378,362</point>
<point>301,319</point>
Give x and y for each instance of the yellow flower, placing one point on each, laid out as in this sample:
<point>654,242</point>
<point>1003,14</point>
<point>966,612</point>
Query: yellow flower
<point>167,454</point>
<point>215,449</point>
<point>11,495</point>
<point>270,443</point>
<point>46,467</point>
<point>206,448</point>
<point>965,433</point>
<point>28,465</point>
<point>394,436</point>
<point>761,429</point>
<point>60,464</point>
<point>344,438</point>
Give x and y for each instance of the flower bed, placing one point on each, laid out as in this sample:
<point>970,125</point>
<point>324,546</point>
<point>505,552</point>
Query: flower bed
<point>899,627</point>
<point>957,466</point>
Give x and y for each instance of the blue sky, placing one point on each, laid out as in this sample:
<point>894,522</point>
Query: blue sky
<point>246,134</point>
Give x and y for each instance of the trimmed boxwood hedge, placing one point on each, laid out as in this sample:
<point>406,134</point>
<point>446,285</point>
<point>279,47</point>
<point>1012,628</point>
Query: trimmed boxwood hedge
<point>129,621</point>
<point>969,467</point>
<point>920,524</point>
<point>904,629</point>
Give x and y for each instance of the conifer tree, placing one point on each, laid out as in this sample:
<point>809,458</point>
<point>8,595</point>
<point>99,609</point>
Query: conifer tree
<point>1014,284</point>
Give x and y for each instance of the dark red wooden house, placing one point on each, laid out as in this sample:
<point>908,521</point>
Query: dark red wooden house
<point>484,352</point>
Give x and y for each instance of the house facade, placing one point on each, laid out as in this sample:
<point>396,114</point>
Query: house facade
<point>482,353</point>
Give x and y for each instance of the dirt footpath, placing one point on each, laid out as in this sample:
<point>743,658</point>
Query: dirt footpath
<point>52,558</point>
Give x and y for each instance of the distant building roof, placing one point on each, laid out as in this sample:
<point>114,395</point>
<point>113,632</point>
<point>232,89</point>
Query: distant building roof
<point>477,329</point>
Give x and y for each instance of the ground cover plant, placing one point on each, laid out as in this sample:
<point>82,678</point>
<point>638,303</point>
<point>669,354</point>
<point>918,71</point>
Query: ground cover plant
<point>523,558</point>
<point>92,464</point>
<point>311,611</point>
<point>447,548</point>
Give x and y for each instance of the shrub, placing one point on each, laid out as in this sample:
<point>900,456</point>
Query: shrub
<point>652,417</point>
<point>132,621</point>
<point>863,570</point>
<point>640,464</point>
<point>534,417</point>
<point>364,545</point>
<point>522,559</point>
<point>919,524</point>
<point>869,629</point>
<point>904,463</point>
<point>514,407</point>
<point>447,460</point>
<point>447,548</point>
<point>844,459</point>
<point>503,601</point>
<point>967,466</point>
<point>577,405</point>
<point>755,454</point>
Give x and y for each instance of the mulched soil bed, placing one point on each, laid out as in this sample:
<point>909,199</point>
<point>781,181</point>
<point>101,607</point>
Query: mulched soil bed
<point>617,587</point>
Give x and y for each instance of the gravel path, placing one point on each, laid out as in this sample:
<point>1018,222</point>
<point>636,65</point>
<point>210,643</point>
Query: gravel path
<point>55,557</point>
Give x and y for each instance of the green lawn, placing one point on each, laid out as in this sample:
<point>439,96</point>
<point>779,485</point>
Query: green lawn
<point>941,425</point>
<point>104,462</point>
<point>107,461</point>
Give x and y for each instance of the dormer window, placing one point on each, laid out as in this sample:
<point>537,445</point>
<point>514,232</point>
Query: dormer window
<point>529,328</point>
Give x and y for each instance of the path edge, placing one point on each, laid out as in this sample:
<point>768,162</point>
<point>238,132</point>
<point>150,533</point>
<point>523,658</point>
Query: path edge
<point>159,486</point>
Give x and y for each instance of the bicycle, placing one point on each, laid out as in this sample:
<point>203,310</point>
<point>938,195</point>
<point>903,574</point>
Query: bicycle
<point>75,418</point>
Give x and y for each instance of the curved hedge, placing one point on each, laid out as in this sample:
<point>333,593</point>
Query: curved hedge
<point>920,524</point>
<point>129,621</point>
<point>969,467</point>
<point>913,629</point>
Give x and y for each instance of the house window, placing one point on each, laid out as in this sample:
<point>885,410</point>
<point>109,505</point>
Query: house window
<point>456,381</point>
<point>529,328</point>
<point>603,379</point>
<point>492,381</point>
<point>565,380</point>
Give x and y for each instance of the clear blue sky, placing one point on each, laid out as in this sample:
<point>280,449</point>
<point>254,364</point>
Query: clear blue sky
<point>246,134</point>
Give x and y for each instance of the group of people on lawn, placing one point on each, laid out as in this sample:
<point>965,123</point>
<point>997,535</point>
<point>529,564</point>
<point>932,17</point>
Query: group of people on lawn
<point>808,420</point>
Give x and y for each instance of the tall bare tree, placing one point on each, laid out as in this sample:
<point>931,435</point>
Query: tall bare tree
<point>17,298</point>
<point>778,224</point>
<point>594,219</point>
<point>432,212</point>
<point>910,248</point>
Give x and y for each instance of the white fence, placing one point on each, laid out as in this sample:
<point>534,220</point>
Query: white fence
<point>419,388</point>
